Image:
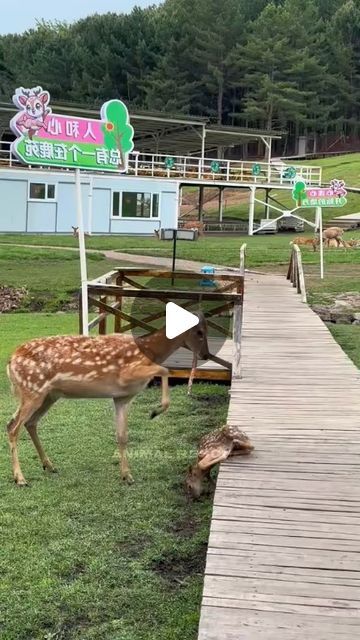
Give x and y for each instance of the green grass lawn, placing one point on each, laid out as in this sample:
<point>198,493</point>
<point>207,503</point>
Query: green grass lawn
<point>262,250</point>
<point>82,556</point>
<point>348,337</point>
<point>52,277</point>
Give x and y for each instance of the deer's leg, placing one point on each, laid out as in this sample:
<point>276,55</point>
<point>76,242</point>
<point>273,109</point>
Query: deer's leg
<point>31,426</point>
<point>27,408</point>
<point>121,411</point>
<point>165,396</point>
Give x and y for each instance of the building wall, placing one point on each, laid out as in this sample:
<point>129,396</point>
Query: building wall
<point>19,212</point>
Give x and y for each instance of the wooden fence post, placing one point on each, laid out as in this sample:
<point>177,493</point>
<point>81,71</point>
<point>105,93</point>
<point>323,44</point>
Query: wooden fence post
<point>288,277</point>
<point>117,319</point>
<point>80,314</point>
<point>237,319</point>
<point>102,323</point>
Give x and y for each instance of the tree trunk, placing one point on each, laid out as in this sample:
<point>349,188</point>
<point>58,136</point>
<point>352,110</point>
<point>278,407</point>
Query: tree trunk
<point>220,100</point>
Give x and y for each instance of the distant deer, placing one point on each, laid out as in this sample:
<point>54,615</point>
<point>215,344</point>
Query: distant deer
<point>353,243</point>
<point>333,233</point>
<point>111,366</point>
<point>76,232</point>
<point>194,224</point>
<point>314,242</point>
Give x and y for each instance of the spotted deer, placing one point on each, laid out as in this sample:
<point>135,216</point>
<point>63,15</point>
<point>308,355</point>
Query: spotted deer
<point>114,366</point>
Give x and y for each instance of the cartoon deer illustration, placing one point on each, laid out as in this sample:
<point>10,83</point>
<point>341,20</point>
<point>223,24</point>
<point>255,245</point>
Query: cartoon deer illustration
<point>34,110</point>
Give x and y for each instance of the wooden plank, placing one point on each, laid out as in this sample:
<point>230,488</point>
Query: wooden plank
<point>159,294</point>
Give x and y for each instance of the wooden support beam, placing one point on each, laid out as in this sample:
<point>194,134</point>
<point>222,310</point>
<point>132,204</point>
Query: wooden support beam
<point>113,290</point>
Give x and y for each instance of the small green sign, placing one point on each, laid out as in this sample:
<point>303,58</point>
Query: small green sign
<point>289,173</point>
<point>256,169</point>
<point>332,196</point>
<point>169,162</point>
<point>215,166</point>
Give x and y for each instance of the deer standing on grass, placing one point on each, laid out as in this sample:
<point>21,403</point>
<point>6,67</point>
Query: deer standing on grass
<point>333,233</point>
<point>314,242</point>
<point>112,366</point>
<point>76,232</point>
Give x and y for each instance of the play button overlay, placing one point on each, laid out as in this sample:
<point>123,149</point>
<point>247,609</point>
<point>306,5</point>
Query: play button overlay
<point>178,320</point>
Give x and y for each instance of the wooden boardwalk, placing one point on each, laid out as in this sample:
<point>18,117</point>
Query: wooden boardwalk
<point>283,560</point>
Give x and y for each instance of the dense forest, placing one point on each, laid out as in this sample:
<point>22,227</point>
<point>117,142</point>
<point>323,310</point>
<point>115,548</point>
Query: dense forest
<point>292,64</point>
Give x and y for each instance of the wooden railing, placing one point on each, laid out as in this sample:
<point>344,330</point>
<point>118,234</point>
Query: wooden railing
<point>110,295</point>
<point>296,273</point>
<point>242,258</point>
<point>197,168</point>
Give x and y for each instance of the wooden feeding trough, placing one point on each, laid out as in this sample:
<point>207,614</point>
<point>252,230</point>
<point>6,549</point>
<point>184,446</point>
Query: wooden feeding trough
<point>129,300</point>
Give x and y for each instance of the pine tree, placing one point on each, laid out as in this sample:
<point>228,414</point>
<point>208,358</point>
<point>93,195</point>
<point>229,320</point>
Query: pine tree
<point>267,62</point>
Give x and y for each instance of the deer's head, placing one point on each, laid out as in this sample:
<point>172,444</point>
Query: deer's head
<point>196,338</point>
<point>34,101</point>
<point>194,481</point>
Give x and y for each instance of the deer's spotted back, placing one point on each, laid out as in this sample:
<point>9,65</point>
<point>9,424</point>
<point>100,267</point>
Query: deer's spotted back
<point>38,364</point>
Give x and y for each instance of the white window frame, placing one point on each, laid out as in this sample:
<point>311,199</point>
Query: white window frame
<point>121,217</point>
<point>46,199</point>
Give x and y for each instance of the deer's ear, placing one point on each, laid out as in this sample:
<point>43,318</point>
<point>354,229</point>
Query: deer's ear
<point>22,100</point>
<point>44,97</point>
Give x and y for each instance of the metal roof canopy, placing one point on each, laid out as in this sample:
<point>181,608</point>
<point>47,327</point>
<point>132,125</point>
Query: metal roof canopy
<point>157,132</point>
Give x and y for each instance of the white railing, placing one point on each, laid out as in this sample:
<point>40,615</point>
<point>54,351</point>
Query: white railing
<point>296,272</point>
<point>212,169</point>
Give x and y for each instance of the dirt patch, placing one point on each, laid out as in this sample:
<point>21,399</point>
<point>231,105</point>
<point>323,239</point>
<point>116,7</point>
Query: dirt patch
<point>67,630</point>
<point>344,309</point>
<point>74,572</point>
<point>175,568</point>
<point>184,528</point>
<point>132,548</point>
<point>52,303</point>
<point>212,400</point>
<point>11,299</point>
<point>190,201</point>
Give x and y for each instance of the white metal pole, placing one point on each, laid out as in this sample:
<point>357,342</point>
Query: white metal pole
<point>221,204</point>
<point>90,204</point>
<point>83,270</point>
<point>319,216</point>
<point>251,211</point>
<point>269,160</point>
<point>203,149</point>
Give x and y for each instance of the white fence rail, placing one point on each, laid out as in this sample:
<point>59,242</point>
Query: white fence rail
<point>194,168</point>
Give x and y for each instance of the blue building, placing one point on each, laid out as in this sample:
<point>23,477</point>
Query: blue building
<point>43,201</point>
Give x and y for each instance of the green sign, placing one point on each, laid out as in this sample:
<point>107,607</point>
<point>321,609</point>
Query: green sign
<point>56,140</point>
<point>289,173</point>
<point>256,170</point>
<point>169,162</point>
<point>215,166</point>
<point>332,196</point>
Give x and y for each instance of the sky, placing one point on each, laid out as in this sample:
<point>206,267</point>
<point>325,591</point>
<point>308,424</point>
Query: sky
<point>16,17</point>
